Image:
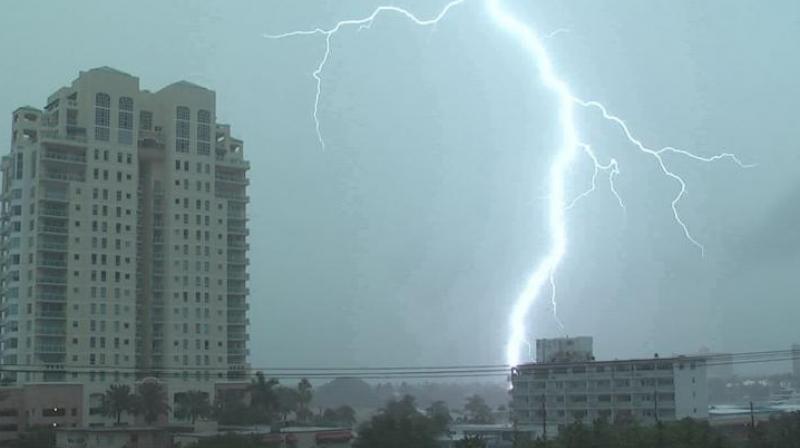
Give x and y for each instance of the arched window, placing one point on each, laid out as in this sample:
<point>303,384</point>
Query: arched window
<point>125,122</point>
<point>102,100</point>
<point>182,129</point>
<point>102,116</point>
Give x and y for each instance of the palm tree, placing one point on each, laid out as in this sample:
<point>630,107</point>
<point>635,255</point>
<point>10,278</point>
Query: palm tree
<point>118,399</point>
<point>193,404</point>
<point>303,399</point>
<point>263,396</point>
<point>152,401</point>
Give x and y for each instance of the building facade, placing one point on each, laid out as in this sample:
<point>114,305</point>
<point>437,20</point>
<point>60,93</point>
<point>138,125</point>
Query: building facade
<point>123,244</point>
<point>555,394</point>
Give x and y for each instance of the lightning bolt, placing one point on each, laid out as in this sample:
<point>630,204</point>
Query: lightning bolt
<point>565,155</point>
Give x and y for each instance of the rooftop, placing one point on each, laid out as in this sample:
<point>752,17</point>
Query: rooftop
<point>685,358</point>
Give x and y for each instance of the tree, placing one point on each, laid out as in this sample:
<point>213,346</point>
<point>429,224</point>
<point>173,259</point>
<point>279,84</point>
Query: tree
<point>191,405</point>
<point>477,411</point>
<point>287,401</point>
<point>118,399</point>
<point>263,397</point>
<point>398,425</point>
<point>230,408</point>
<point>440,413</point>
<point>229,441</point>
<point>38,437</point>
<point>151,401</point>
<point>475,441</point>
<point>341,416</point>
<point>304,391</point>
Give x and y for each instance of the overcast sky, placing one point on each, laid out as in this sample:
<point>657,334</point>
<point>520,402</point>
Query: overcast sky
<point>408,239</point>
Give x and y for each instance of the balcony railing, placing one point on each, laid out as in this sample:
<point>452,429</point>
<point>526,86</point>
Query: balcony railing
<point>51,314</point>
<point>61,331</point>
<point>51,263</point>
<point>53,229</point>
<point>52,279</point>
<point>241,197</point>
<point>51,348</point>
<point>53,211</point>
<point>52,195</point>
<point>74,133</point>
<point>64,157</point>
<point>64,177</point>
<point>51,297</point>
<point>238,230</point>
<point>232,179</point>
<point>49,246</point>
<point>151,140</point>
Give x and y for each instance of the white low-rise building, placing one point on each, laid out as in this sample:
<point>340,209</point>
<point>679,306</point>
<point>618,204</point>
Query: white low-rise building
<point>555,394</point>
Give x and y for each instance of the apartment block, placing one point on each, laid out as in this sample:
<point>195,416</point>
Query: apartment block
<point>123,240</point>
<point>576,387</point>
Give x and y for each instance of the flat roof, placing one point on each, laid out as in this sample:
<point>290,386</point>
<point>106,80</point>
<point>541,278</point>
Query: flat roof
<point>687,358</point>
<point>114,429</point>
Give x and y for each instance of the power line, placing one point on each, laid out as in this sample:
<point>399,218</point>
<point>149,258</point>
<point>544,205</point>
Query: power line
<point>397,372</point>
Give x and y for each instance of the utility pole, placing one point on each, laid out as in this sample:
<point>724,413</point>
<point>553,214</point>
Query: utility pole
<point>752,418</point>
<point>655,405</point>
<point>544,418</point>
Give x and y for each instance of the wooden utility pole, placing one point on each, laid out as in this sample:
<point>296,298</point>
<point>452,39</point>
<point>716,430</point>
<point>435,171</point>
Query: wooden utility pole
<point>655,405</point>
<point>544,417</point>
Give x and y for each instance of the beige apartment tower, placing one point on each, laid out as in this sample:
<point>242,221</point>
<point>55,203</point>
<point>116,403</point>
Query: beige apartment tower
<point>124,240</point>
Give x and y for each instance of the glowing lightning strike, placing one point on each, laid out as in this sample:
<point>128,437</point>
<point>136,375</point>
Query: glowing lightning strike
<point>564,157</point>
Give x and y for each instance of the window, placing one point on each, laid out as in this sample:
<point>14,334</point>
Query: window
<point>145,120</point>
<point>182,129</point>
<point>102,116</point>
<point>125,133</point>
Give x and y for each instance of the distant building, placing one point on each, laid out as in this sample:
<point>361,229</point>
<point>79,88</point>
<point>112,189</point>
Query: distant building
<point>575,349</point>
<point>493,436</point>
<point>719,365</point>
<point>557,393</point>
<point>796,363</point>
<point>32,405</point>
<point>289,437</point>
<point>121,437</point>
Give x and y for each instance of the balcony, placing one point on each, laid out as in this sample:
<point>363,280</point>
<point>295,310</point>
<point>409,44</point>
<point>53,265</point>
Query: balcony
<point>52,263</point>
<point>51,297</point>
<point>239,180</point>
<point>51,314</point>
<point>151,140</point>
<point>237,275</point>
<point>51,246</point>
<point>240,260</point>
<point>50,348</point>
<point>61,176</point>
<point>60,230</point>
<point>51,331</point>
<point>237,229</point>
<point>51,279</point>
<point>54,212</point>
<point>64,157</point>
<point>238,197</point>
<point>55,195</point>
<point>72,134</point>
<point>237,245</point>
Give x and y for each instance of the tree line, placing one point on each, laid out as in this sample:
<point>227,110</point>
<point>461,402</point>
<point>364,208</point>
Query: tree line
<point>263,401</point>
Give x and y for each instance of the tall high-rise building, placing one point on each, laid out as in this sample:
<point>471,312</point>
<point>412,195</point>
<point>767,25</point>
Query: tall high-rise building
<point>124,240</point>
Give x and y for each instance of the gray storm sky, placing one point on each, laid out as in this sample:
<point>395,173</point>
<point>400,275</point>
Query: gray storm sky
<point>407,241</point>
